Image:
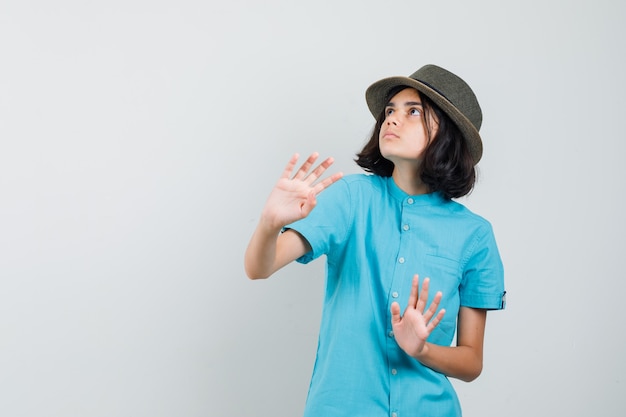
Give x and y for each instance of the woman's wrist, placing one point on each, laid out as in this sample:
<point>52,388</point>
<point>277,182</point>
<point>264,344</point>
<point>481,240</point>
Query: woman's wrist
<point>422,353</point>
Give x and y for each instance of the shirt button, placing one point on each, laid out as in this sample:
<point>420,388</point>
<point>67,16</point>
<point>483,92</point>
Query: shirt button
<point>394,294</point>
<point>394,371</point>
<point>410,201</point>
<point>394,414</point>
<point>405,227</point>
<point>401,260</point>
<point>390,334</point>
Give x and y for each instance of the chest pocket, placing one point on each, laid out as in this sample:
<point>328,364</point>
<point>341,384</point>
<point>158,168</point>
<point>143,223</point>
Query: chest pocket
<point>445,276</point>
<point>443,270</point>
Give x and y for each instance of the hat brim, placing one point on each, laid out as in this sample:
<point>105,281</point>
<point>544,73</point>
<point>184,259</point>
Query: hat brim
<point>376,95</point>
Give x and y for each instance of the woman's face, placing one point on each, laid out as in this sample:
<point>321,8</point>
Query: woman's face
<point>403,135</point>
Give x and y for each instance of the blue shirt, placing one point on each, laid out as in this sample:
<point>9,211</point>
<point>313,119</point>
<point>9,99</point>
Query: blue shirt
<point>375,238</point>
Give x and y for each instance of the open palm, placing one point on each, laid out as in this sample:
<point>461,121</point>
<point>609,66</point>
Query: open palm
<point>413,327</point>
<point>294,196</point>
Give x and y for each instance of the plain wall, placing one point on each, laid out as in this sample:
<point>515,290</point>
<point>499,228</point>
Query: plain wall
<point>139,140</point>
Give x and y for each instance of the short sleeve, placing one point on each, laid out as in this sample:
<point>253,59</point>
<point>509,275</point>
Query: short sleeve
<point>482,285</point>
<point>328,223</point>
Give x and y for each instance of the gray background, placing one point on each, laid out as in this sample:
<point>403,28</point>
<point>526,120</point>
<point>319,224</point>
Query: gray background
<point>138,142</point>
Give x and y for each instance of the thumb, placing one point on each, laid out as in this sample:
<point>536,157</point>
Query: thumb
<point>395,313</point>
<point>309,204</point>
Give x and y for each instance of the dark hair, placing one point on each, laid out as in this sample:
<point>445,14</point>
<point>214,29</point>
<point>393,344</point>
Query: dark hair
<point>447,166</point>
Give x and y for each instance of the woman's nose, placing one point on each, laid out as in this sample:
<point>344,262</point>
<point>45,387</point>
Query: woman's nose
<point>392,119</point>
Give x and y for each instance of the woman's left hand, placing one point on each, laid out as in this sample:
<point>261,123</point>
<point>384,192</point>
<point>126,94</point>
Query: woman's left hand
<point>413,328</point>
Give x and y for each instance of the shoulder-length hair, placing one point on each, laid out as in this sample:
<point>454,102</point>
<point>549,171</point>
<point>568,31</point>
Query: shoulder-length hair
<point>447,166</point>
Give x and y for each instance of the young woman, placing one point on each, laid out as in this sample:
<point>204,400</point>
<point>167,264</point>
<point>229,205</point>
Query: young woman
<point>385,343</point>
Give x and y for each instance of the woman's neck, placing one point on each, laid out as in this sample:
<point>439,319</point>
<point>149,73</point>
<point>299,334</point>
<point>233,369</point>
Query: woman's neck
<point>409,181</point>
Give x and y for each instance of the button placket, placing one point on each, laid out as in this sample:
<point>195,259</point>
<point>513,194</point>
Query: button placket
<point>405,227</point>
<point>405,236</point>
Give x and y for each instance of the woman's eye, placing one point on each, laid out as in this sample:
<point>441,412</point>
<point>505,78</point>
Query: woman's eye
<point>414,112</point>
<point>388,112</point>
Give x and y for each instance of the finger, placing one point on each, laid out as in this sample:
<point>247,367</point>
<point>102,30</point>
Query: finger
<point>435,322</point>
<point>322,185</point>
<point>290,165</point>
<point>413,294</point>
<point>319,170</point>
<point>304,169</point>
<point>395,313</point>
<point>433,307</point>
<point>423,295</point>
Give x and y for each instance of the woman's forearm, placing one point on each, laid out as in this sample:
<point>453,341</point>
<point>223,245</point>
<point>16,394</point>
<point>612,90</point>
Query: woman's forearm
<point>465,360</point>
<point>269,250</point>
<point>260,254</point>
<point>460,362</point>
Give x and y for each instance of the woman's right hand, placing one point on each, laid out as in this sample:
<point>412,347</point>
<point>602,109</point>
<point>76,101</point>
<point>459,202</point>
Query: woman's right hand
<point>294,196</point>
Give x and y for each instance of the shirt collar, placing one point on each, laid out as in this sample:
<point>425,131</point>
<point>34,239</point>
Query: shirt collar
<point>429,199</point>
